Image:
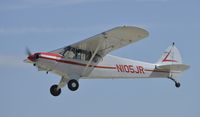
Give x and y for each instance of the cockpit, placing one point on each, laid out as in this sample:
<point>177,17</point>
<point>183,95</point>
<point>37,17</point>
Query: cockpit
<point>79,54</point>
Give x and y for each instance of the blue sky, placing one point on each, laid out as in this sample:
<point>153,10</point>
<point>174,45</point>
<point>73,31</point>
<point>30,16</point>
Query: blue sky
<point>45,25</point>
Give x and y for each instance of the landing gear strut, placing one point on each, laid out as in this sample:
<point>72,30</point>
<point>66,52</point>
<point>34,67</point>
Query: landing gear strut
<point>177,84</point>
<point>54,90</point>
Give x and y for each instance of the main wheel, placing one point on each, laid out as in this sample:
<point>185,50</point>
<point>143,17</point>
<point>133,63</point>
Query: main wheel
<point>73,85</point>
<point>54,91</point>
<point>177,84</point>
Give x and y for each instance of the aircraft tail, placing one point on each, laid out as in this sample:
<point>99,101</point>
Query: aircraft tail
<point>171,61</point>
<point>170,56</point>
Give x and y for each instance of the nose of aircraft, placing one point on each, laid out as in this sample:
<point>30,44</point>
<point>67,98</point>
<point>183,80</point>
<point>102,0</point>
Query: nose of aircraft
<point>32,57</point>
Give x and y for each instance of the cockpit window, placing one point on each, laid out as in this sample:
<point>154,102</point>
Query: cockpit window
<point>74,53</point>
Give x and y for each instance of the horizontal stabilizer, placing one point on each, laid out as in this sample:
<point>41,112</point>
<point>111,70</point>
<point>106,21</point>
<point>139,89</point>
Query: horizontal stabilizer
<point>173,67</point>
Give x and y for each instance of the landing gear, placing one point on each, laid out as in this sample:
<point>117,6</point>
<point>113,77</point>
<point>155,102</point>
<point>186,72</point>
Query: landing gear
<point>73,85</point>
<point>54,90</point>
<point>177,84</point>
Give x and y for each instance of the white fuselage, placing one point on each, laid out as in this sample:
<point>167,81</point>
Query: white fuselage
<point>109,67</point>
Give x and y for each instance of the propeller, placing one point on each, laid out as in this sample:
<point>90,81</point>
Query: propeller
<point>28,51</point>
<point>31,56</point>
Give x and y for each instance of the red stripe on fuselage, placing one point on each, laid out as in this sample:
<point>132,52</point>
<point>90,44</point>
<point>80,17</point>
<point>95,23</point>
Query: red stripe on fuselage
<point>77,63</point>
<point>82,64</point>
<point>51,54</point>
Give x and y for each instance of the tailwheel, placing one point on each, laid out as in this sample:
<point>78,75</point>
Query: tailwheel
<point>177,84</point>
<point>73,85</point>
<point>54,90</point>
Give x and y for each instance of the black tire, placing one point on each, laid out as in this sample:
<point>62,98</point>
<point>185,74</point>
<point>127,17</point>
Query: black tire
<point>177,84</point>
<point>73,85</point>
<point>54,91</point>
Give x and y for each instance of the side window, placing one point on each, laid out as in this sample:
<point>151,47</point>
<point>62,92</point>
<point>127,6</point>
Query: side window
<point>78,54</point>
<point>74,53</point>
<point>97,58</point>
<point>70,54</point>
<point>88,55</point>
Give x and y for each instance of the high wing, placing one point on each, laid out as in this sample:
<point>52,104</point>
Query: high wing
<point>110,40</point>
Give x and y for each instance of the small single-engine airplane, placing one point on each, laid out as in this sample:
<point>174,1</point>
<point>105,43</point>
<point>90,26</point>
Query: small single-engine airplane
<point>89,59</point>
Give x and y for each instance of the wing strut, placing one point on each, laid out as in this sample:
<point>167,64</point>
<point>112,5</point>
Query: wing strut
<point>93,55</point>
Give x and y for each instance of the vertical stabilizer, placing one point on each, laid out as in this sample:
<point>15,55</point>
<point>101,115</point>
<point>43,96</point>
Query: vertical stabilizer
<point>170,56</point>
<point>171,62</point>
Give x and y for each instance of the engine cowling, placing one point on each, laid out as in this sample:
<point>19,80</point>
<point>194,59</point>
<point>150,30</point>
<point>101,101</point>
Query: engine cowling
<point>34,57</point>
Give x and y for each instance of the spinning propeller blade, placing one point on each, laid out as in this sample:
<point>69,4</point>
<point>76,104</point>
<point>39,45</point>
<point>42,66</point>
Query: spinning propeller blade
<point>28,52</point>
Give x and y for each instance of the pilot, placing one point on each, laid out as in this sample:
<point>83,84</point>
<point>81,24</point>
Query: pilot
<point>71,54</point>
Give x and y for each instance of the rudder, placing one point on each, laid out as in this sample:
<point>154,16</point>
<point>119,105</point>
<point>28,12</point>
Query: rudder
<point>170,56</point>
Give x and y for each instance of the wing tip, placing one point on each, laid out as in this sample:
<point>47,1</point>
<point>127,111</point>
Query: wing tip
<point>143,32</point>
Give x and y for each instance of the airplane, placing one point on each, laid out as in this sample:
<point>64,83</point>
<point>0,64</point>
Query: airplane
<point>90,59</point>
